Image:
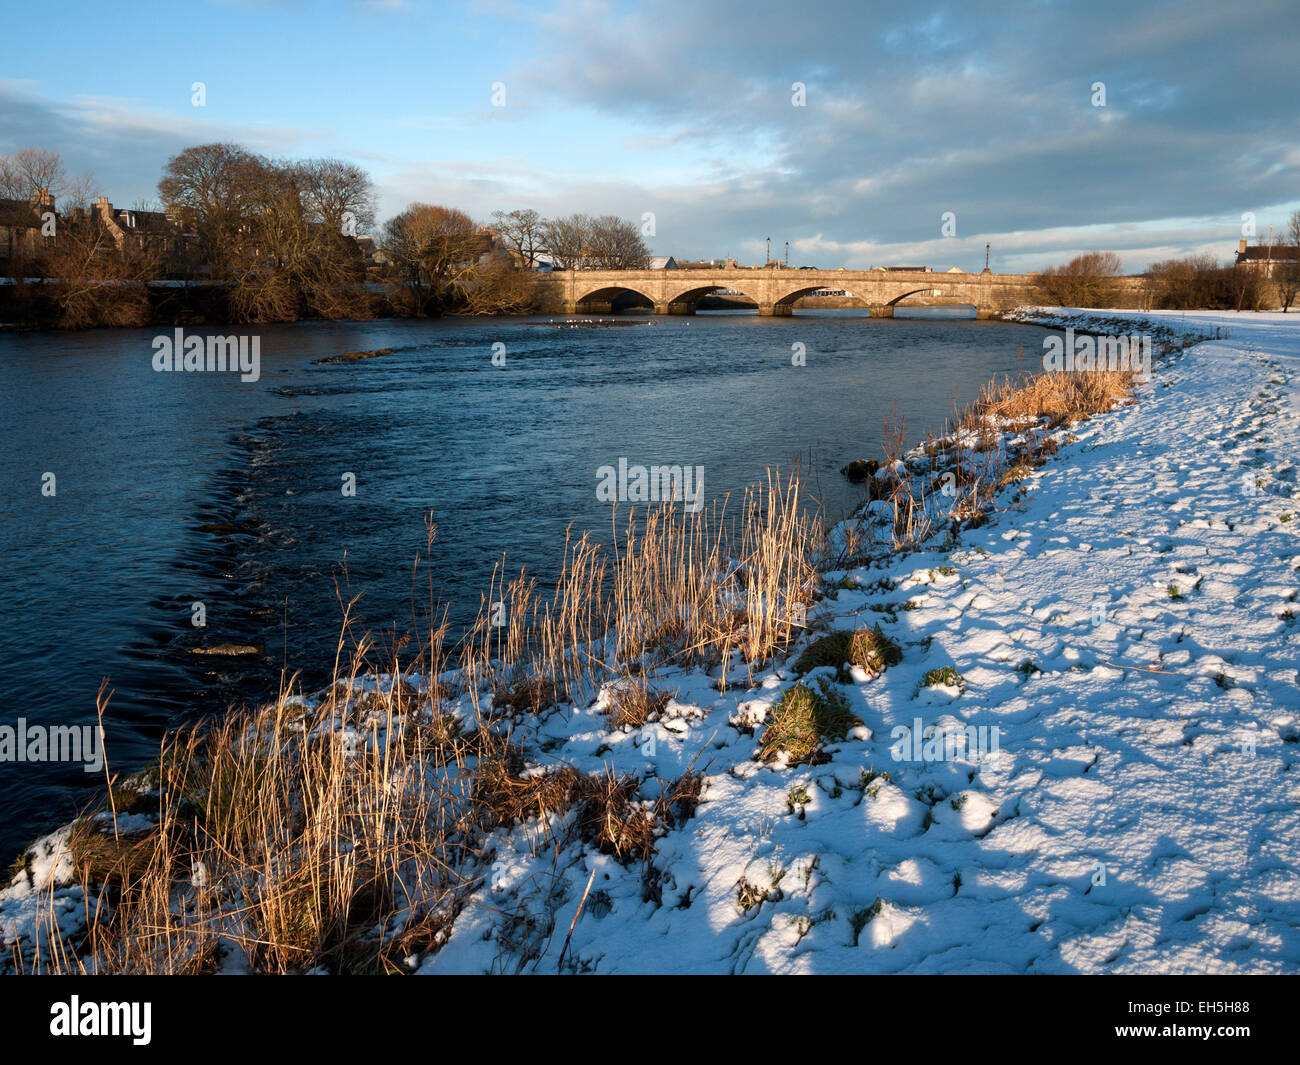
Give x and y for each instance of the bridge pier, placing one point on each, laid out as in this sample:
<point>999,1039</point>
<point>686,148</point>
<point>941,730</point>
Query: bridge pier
<point>881,310</point>
<point>674,308</point>
<point>775,310</point>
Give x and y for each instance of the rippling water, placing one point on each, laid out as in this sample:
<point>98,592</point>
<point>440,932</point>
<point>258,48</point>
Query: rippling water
<point>177,488</point>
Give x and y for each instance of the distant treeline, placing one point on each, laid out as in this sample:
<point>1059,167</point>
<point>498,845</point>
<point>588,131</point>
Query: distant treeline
<point>268,240</point>
<point>1196,282</point>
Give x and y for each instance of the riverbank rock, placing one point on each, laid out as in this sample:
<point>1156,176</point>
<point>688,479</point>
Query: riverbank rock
<point>230,650</point>
<point>859,470</point>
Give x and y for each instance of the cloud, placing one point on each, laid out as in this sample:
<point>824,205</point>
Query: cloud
<point>983,109</point>
<point>121,143</point>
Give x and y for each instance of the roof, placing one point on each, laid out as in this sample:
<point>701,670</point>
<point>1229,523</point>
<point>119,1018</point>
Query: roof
<point>22,213</point>
<point>143,221</point>
<point>662,262</point>
<point>1263,253</point>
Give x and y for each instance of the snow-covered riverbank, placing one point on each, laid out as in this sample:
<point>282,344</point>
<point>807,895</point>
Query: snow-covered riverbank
<point>1127,625</point>
<point>1123,625</point>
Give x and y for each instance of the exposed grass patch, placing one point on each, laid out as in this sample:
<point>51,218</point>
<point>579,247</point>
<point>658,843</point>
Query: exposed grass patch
<point>800,722</point>
<point>869,649</point>
<point>1015,474</point>
<point>945,676</point>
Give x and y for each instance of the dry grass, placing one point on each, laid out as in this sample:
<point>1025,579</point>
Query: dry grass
<point>633,702</point>
<point>346,832</point>
<point>953,479</point>
<point>1056,398</point>
<point>679,587</point>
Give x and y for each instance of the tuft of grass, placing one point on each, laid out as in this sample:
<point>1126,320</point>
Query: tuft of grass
<point>1015,474</point>
<point>870,782</point>
<point>633,702</point>
<point>533,694</point>
<point>1027,669</point>
<point>800,722</point>
<point>1173,592</point>
<point>859,919</point>
<point>869,649</point>
<point>944,675</point>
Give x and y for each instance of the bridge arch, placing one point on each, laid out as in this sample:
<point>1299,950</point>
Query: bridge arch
<point>604,299</point>
<point>785,305</point>
<point>931,291</point>
<point>686,297</point>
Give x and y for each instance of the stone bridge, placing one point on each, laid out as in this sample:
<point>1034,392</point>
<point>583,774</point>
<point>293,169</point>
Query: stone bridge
<point>776,290</point>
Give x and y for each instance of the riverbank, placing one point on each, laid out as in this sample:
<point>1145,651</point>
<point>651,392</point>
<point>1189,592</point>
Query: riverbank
<point>1122,616</point>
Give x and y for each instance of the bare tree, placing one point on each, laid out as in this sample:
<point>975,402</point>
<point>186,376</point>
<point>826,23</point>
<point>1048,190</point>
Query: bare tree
<point>523,232</point>
<point>567,241</point>
<point>97,281</point>
<point>1085,281</point>
<point>280,229</point>
<point>615,244</point>
<point>27,173</point>
<point>497,286</point>
<point>210,188</point>
<point>337,194</point>
<point>1286,279</point>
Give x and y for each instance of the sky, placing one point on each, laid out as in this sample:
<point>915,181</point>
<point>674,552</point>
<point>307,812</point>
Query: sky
<point>852,130</point>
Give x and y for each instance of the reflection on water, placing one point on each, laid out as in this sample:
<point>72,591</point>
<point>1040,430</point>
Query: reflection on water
<point>175,489</point>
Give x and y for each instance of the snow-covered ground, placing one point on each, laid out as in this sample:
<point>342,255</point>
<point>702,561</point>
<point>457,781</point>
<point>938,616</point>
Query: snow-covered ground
<point>1124,825</point>
<point>1125,622</point>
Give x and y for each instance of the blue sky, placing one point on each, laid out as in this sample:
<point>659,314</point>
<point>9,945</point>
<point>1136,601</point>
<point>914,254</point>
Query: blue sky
<point>687,110</point>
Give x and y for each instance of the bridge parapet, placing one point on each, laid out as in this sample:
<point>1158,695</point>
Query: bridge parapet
<point>775,291</point>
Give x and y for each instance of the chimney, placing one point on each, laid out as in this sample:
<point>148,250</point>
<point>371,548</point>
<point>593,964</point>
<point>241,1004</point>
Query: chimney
<point>1241,246</point>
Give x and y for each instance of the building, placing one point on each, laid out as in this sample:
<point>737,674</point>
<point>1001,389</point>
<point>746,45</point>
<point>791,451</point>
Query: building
<point>1266,258</point>
<point>373,257</point>
<point>663,262</point>
<point>21,222</point>
<point>150,231</point>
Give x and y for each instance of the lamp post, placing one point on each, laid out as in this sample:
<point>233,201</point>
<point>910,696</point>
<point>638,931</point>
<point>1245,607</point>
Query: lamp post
<point>769,252</point>
<point>986,256</point>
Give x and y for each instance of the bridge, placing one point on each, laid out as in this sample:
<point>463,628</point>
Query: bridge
<point>776,290</point>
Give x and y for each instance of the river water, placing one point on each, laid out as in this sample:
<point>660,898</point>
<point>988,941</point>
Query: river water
<point>171,489</point>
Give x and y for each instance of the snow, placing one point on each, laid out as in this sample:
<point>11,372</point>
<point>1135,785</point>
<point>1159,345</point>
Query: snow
<point>44,891</point>
<point>1124,825</point>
